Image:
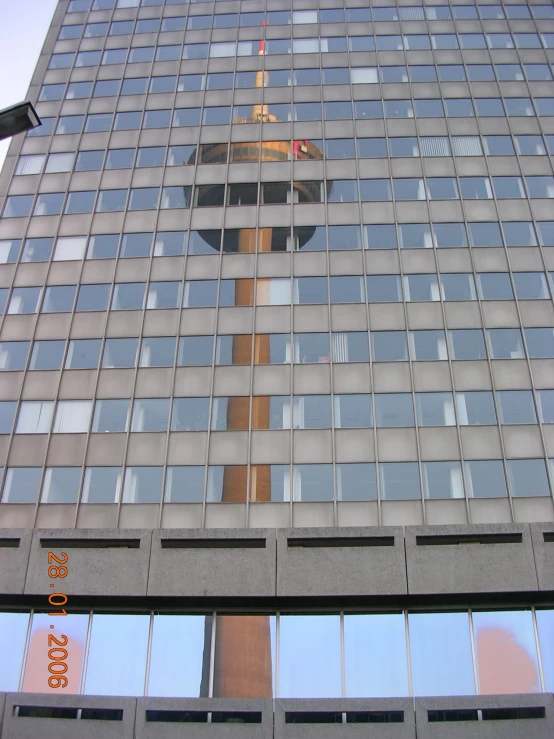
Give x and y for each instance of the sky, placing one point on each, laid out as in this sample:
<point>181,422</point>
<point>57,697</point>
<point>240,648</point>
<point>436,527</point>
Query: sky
<point>23,27</point>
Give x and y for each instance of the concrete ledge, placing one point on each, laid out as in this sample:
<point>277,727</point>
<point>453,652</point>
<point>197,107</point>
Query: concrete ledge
<point>494,727</point>
<point>14,558</point>
<point>99,561</point>
<point>17,727</point>
<point>544,553</point>
<point>340,561</point>
<point>491,566</point>
<point>213,562</point>
<point>396,730</point>
<point>231,728</point>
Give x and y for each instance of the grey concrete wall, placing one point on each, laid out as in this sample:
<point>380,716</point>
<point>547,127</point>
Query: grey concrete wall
<point>355,561</point>
<point>215,562</point>
<point>544,554</point>
<point>14,558</point>
<point>109,569</point>
<point>273,723</point>
<point>162,730</point>
<point>404,730</point>
<point>263,563</point>
<point>17,727</point>
<point>500,729</point>
<point>484,566</point>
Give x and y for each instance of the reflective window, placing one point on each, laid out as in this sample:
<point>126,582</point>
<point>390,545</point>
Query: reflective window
<point>442,480</point>
<point>13,355</point>
<point>61,485</point>
<point>129,296</point>
<point>111,415</point>
<point>485,479</point>
<point>190,414</point>
<point>18,206</point>
<point>540,342</point>
<point>58,299</point>
<point>7,414</point>
<point>347,289</point>
<point>428,345</point>
<point>47,355</point>
<point>115,159</point>
<point>516,406</point>
<point>142,485</point>
<point>177,653</point>
<point>440,648</point>
<point>136,245</point>
<point>150,414</point>
<point>127,121</point>
<point>9,250</point>
<point>495,286</point>
<point>89,160</point>
<point>119,641</point>
<point>170,243</point>
<point>399,481</point>
<point>75,630</point>
<point>35,417</point>
<point>97,122</point>
<point>309,656</point>
<point>80,202</point>
<point>120,353</point>
<point>389,346</point>
<point>24,300</point>
<point>102,485</point>
<point>506,343</point>
<point>312,482</point>
<point>505,651</point>
<point>475,408</point>
<point>21,484</point>
<point>375,655</point>
<point>545,625</point>
<point>83,354</point>
<point>384,288</point>
<point>435,409</point>
<point>528,477</point>
<point>103,246</point>
<point>184,484</point>
<point>394,409</point>
<point>545,399</point>
<point>195,351</point>
<point>356,481</point>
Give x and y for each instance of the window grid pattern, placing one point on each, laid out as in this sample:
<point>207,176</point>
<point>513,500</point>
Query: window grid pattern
<point>452,146</point>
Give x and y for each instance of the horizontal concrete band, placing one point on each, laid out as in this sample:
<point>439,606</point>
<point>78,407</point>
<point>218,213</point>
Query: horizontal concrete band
<point>268,563</point>
<point>29,716</point>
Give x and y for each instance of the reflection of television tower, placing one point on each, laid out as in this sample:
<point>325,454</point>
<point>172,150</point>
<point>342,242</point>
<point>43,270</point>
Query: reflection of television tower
<point>242,665</point>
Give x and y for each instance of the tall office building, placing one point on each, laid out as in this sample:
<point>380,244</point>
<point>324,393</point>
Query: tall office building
<point>277,373</point>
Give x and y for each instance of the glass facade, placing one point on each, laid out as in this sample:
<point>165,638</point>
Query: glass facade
<point>304,655</point>
<point>211,165</point>
<point>283,267</point>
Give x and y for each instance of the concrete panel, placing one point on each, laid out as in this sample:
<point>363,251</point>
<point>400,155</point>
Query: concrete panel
<point>19,727</point>
<point>402,729</point>
<point>221,562</point>
<point>493,724</point>
<point>345,561</point>
<point>15,545</point>
<point>495,562</point>
<point>99,561</point>
<point>200,729</point>
<point>543,546</point>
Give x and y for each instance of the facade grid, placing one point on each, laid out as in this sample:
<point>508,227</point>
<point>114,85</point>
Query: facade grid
<point>274,265</point>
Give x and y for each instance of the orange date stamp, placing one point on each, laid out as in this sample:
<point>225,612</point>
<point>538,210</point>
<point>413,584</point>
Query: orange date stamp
<point>57,654</point>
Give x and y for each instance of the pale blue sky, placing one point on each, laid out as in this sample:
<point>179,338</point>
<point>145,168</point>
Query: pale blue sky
<point>23,26</point>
